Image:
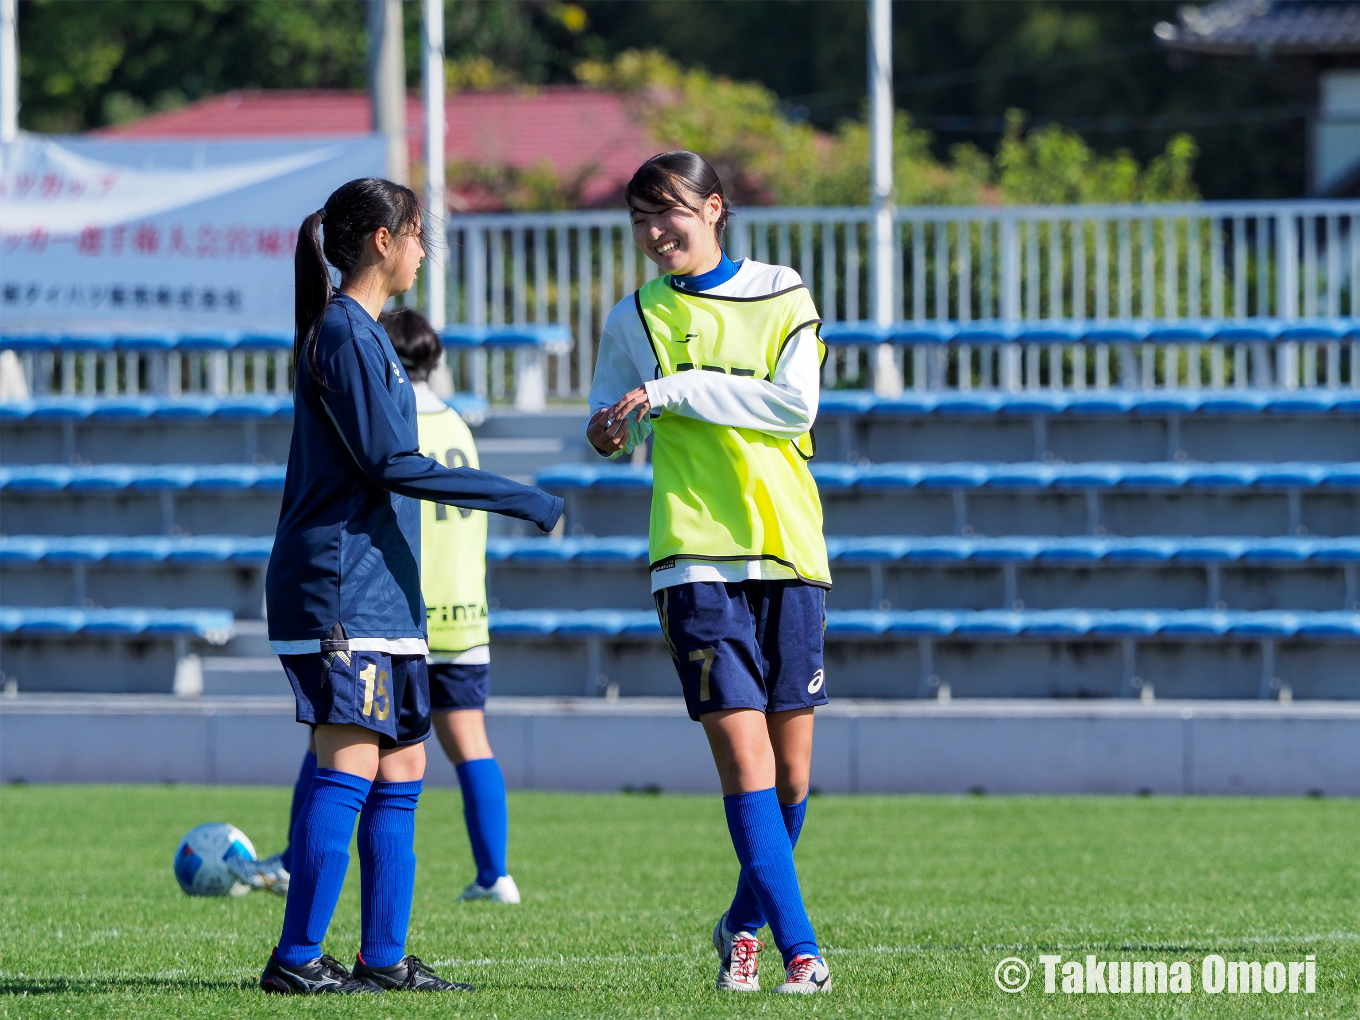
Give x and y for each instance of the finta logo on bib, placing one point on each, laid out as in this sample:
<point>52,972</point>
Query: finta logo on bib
<point>815,684</point>
<point>689,337</point>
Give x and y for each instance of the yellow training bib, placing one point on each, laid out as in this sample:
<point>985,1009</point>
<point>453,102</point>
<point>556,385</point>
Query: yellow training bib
<point>723,493</point>
<point>452,545</point>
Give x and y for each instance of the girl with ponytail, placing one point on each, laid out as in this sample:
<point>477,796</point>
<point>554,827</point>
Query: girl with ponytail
<point>343,588</point>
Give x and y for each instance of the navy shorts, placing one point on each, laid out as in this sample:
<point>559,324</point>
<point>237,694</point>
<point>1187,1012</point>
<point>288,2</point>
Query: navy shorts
<point>753,644</point>
<point>389,694</point>
<point>455,686</point>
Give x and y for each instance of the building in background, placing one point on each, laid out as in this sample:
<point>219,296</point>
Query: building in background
<point>1319,41</point>
<point>583,141</point>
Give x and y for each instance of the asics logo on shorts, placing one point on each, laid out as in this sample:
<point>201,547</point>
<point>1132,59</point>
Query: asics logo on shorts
<point>815,684</point>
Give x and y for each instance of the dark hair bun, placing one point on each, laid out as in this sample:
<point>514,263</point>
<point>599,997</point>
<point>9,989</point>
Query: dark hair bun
<point>415,341</point>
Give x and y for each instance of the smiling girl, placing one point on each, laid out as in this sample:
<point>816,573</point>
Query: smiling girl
<point>721,363</point>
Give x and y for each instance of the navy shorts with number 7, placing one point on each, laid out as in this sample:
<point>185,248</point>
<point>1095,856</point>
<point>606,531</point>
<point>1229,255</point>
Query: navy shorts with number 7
<point>389,694</point>
<point>748,644</point>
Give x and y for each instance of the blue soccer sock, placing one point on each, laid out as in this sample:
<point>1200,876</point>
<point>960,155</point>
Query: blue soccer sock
<point>745,913</point>
<point>487,820</point>
<point>387,867</point>
<point>320,860</point>
<point>301,785</point>
<point>766,855</point>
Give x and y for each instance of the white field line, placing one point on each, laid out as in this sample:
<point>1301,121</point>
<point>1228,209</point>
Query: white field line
<point>601,958</point>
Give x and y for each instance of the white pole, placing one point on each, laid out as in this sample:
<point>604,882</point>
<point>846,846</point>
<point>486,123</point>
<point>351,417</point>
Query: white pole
<point>435,264</point>
<point>387,83</point>
<point>9,70</point>
<point>887,374</point>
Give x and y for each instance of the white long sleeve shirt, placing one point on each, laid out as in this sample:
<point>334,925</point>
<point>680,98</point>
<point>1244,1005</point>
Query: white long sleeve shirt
<point>784,406</point>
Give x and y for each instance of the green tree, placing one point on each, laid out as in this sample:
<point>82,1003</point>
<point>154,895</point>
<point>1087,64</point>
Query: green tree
<point>766,158</point>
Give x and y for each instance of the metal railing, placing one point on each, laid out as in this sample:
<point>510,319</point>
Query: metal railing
<point>1236,260</point>
<point>1211,260</point>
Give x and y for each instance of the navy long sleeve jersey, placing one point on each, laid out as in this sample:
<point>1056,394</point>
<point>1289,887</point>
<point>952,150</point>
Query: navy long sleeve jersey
<point>347,549</point>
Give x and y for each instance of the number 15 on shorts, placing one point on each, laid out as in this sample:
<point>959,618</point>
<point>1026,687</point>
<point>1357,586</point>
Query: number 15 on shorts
<point>375,691</point>
<point>705,655</point>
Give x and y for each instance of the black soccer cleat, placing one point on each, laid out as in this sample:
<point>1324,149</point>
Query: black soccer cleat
<point>408,974</point>
<point>315,977</point>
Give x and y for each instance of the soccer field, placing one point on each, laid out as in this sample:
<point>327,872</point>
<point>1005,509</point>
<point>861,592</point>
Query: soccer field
<point>915,899</point>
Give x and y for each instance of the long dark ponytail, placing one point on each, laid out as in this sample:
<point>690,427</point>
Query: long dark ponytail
<point>351,215</point>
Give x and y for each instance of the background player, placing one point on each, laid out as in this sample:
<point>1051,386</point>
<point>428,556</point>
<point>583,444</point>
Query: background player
<point>453,580</point>
<point>721,361</point>
<point>343,589</point>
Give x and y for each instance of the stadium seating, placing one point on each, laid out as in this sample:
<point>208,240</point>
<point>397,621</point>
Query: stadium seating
<point>894,572</point>
<point>1092,331</point>
<point>250,429</point>
<point>1022,499</point>
<point>1135,425</point>
<point>1057,653</point>
<point>146,651</point>
<point>1167,544</point>
<point>547,336</point>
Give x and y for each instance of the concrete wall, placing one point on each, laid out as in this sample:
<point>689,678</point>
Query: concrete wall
<point>870,747</point>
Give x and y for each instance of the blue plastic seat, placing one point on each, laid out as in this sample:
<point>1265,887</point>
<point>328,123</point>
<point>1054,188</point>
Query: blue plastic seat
<point>1249,402</point>
<point>1210,550</point>
<point>1249,331</point>
<point>1053,331</point>
<point>147,341</point>
<point>1021,477</point>
<point>1087,476</point>
<point>1079,549</point>
<point>988,331</point>
<point>28,342</point>
<point>989,623</point>
<point>1267,623</point>
<point>1126,623</point>
<point>1057,623</point>
<point>1334,624</point>
<point>1142,550</point>
<point>1198,623</point>
<point>970,405</point>
<point>921,623</point>
<point>265,342</point>
<point>949,476</point>
<point>857,623</point>
<point>1183,331</point>
<point>207,342</point>
<point>834,402</point>
<point>1118,331</point>
<point>909,404</point>
<point>849,334</point>
<point>1112,403</point>
<point>552,337</point>
<point>1318,330</point>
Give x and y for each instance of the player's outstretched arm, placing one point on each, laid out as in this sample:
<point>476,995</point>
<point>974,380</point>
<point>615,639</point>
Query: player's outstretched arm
<point>388,453</point>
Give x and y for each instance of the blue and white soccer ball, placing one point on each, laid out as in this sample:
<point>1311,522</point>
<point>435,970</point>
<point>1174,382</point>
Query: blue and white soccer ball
<point>203,860</point>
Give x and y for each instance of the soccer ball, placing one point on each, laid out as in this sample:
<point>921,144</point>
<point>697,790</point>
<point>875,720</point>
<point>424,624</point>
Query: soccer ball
<point>203,860</point>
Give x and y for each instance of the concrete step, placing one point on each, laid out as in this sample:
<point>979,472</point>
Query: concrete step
<point>649,743</point>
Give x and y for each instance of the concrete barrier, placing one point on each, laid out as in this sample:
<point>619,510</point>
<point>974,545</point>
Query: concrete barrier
<point>996,746</point>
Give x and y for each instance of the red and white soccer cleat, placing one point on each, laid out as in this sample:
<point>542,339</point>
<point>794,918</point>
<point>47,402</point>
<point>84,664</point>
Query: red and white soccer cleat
<point>807,975</point>
<point>737,972</point>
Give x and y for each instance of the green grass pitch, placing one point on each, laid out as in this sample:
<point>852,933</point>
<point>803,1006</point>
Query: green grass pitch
<point>915,900</point>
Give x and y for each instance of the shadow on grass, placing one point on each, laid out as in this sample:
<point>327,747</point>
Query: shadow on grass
<point>105,985</point>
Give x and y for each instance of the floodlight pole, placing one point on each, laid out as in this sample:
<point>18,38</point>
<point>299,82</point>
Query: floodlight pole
<point>887,372</point>
<point>9,70</point>
<point>387,83</point>
<point>435,266</point>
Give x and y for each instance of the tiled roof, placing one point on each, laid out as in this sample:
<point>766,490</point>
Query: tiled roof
<point>1286,27</point>
<point>570,127</point>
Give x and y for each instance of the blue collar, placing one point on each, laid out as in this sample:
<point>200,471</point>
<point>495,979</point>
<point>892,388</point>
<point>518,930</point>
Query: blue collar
<point>718,275</point>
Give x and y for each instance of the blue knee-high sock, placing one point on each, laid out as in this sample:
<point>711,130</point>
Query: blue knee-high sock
<point>485,813</point>
<point>387,867</point>
<point>320,859</point>
<point>766,856</point>
<point>745,913</point>
<point>301,785</point>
